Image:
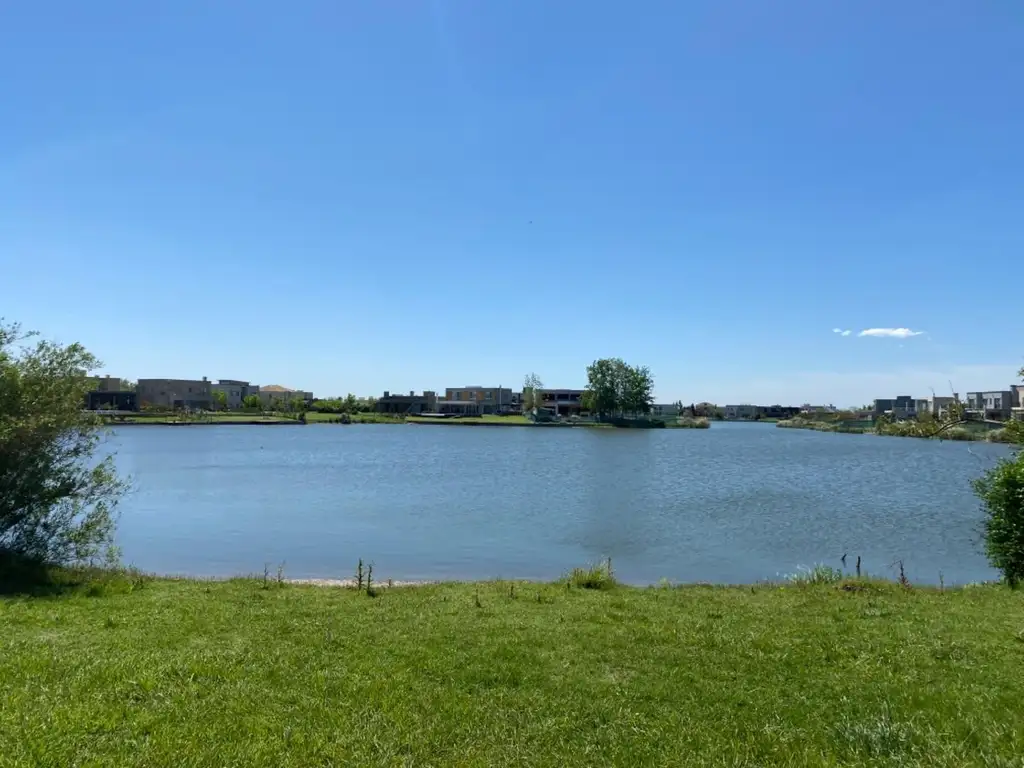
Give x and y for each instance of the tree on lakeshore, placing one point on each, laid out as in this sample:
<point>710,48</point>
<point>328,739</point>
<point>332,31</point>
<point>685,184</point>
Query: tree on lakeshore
<point>57,502</point>
<point>220,400</point>
<point>533,398</point>
<point>251,401</point>
<point>615,388</point>
<point>1001,490</point>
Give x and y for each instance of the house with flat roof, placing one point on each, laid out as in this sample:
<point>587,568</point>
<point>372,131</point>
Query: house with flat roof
<point>479,400</point>
<point>275,394</point>
<point>174,393</point>
<point>235,391</point>
<point>995,404</point>
<point>407,404</point>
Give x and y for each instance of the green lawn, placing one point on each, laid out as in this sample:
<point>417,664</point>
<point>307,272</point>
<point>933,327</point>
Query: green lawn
<point>243,673</point>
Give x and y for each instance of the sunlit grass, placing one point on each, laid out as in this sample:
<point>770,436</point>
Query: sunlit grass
<point>252,672</point>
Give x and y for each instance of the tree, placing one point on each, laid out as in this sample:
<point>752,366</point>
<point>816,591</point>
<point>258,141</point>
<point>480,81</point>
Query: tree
<point>1001,490</point>
<point>615,388</point>
<point>126,386</point>
<point>220,399</point>
<point>533,398</point>
<point>251,401</point>
<point>603,386</point>
<point>638,390</point>
<point>57,502</point>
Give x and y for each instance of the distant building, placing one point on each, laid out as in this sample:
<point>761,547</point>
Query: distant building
<point>174,393</point>
<point>123,400</point>
<point>779,411</point>
<point>106,384</point>
<point>481,399</point>
<point>235,391</point>
<point>902,407</point>
<point>939,405</point>
<point>994,404</point>
<point>562,402</point>
<point>741,412</point>
<point>274,395</point>
<point>407,404</point>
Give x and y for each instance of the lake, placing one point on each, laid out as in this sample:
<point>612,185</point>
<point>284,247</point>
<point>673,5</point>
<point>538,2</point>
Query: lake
<point>737,503</point>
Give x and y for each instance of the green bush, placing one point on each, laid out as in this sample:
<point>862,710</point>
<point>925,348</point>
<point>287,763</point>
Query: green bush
<point>597,576</point>
<point>1001,489</point>
<point>819,574</point>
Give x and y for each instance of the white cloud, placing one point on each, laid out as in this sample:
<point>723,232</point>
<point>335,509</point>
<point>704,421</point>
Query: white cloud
<point>841,331</point>
<point>892,333</point>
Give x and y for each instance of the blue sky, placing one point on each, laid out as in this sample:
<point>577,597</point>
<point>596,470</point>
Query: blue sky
<point>363,196</point>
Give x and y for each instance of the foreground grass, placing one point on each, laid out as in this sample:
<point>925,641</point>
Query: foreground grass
<point>247,672</point>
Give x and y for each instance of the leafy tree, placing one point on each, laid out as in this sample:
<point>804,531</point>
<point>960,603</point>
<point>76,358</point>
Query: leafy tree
<point>351,404</point>
<point>1001,490</point>
<point>615,388</point>
<point>603,386</point>
<point>638,390</point>
<point>127,386</point>
<point>220,399</point>
<point>57,502</point>
<point>251,401</point>
<point>533,398</point>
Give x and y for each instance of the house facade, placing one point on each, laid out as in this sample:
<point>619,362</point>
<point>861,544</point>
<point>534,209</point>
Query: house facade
<point>562,402</point>
<point>994,404</point>
<point>406,404</point>
<point>275,395</point>
<point>901,407</point>
<point>174,393</point>
<point>480,400</point>
<point>121,400</point>
<point>939,406</point>
<point>235,391</point>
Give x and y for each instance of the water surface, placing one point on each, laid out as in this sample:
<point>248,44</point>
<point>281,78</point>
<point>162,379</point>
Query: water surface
<point>736,503</point>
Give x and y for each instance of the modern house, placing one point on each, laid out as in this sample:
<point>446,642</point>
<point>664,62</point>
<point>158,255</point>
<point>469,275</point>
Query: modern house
<point>274,395</point>
<point>939,405</point>
<point>562,402</point>
<point>110,393</point>
<point>479,400</point>
<point>174,393</point>
<point>994,404</point>
<point>235,391</point>
<point>901,407</point>
<point>105,384</point>
<point>411,403</point>
<point>122,400</point>
<point>779,411</point>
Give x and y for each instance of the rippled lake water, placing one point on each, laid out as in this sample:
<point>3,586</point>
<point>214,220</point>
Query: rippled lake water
<point>736,503</point>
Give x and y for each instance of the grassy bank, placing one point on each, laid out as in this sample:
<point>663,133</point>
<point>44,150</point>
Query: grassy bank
<point>252,672</point>
<point>685,423</point>
<point>822,426</point>
<point>965,432</point>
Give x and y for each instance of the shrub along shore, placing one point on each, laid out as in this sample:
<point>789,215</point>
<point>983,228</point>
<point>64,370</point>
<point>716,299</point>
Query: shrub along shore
<point>123,669</point>
<point>966,432</point>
